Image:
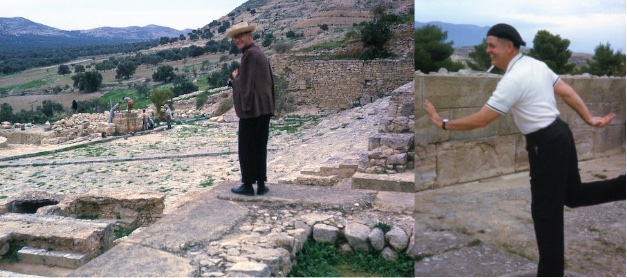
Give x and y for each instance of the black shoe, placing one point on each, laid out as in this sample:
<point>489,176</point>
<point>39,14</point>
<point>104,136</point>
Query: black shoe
<point>244,189</point>
<point>262,189</point>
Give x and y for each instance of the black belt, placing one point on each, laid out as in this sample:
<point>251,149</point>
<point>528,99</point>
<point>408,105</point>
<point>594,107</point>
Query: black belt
<point>544,132</point>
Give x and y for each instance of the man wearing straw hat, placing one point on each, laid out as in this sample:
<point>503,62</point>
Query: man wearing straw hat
<point>528,90</point>
<point>253,99</point>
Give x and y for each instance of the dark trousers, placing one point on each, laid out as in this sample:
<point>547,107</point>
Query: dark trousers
<point>555,182</point>
<point>252,148</point>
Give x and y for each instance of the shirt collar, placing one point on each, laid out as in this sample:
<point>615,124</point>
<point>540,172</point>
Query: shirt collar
<point>513,61</point>
<point>247,47</point>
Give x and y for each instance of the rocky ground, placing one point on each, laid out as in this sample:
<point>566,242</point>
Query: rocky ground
<point>189,157</point>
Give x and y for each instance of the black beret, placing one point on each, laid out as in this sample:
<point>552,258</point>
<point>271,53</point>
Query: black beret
<point>505,31</point>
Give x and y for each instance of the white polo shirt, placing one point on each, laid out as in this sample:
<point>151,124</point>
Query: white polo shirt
<point>526,90</point>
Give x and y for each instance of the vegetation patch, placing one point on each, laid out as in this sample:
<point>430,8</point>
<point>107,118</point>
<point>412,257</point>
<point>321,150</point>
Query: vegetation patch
<point>323,260</point>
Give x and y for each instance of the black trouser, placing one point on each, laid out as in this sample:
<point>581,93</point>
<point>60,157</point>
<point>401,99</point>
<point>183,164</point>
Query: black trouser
<point>555,182</point>
<point>252,148</point>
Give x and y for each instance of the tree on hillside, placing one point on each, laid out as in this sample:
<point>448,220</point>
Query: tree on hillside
<point>79,68</point>
<point>431,51</point>
<point>374,36</point>
<point>219,78</point>
<point>50,107</point>
<point>6,112</point>
<point>183,86</point>
<point>164,73</point>
<point>606,62</point>
<point>324,27</point>
<point>125,69</point>
<point>159,97</point>
<point>553,51</point>
<point>63,70</point>
<point>87,81</point>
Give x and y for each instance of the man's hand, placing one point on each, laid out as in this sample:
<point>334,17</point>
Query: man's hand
<point>235,73</point>
<point>433,114</point>
<point>601,121</point>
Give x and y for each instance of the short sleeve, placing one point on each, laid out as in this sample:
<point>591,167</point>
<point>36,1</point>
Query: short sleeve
<point>507,93</point>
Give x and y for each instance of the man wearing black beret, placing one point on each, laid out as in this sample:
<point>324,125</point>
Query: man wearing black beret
<point>528,90</point>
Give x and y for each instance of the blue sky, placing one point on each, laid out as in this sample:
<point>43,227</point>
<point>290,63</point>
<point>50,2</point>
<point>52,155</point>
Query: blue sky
<point>88,14</point>
<point>585,23</point>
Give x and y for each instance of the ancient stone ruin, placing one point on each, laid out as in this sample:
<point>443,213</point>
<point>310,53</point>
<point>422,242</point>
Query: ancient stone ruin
<point>53,230</point>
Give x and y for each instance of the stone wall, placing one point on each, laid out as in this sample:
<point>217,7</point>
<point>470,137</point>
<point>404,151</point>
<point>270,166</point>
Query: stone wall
<point>445,158</point>
<point>339,84</point>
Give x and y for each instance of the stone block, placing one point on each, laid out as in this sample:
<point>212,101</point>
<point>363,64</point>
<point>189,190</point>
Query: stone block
<point>325,233</point>
<point>377,239</point>
<point>278,260</point>
<point>357,236</point>
<point>248,269</point>
<point>389,254</point>
<point>461,161</point>
<point>397,239</point>
<point>51,258</point>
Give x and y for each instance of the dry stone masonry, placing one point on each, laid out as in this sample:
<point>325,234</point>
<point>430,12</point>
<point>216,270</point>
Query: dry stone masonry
<point>340,84</point>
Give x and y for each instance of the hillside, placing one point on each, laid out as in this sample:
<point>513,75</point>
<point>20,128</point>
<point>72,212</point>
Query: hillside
<point>281,16</point>
<point>18,33</point>
<point>272,16</point>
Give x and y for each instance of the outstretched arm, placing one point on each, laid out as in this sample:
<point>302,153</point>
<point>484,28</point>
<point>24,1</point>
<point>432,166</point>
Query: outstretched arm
<point>568,94</point>
<point>476,120</point>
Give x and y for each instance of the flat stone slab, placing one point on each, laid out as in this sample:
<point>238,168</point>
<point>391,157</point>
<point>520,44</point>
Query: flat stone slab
<point>480,260</point>
<point>286,194</point>
<point>400,182</point>
<point>200,221</point>
<point>437,242</point>
<point>399,202</point>
<point>128,260</point>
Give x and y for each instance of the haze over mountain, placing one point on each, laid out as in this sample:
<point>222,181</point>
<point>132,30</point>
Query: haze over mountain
<point>460,34</point>
<point>21,32</point>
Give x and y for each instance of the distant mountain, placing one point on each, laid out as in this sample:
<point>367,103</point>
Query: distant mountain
<point>460,34</point>
<point>19,32</point>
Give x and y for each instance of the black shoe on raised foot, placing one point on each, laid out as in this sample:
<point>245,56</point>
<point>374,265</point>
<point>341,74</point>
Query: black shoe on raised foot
<point>244,189</point>
<point>262,189</point>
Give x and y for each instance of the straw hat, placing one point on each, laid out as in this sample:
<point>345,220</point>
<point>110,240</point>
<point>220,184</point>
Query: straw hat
<point>242,27</point>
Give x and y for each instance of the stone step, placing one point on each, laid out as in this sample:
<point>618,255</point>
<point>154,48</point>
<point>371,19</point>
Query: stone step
<point>31,255</point>
<point>58,233</point>
<point>399,182</point>
<point>316,180</point>
<point>341,171</point>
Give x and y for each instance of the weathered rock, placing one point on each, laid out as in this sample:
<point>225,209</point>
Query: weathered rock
<point>389,254</point>
<point>357,236</point>
<point>248,269</point>
<point>397,238</point>
<point>377,239</point>
<point>346,249</point>
<point>278,260</point>
<point>312,218</point>
<point>325,233</point>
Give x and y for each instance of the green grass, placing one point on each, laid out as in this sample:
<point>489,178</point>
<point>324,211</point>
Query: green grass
<point>26,86</point>
<point>329,45</point>
<point>383,226</point>
<point>323,260</point>
<point>207,183</point>
<point>139,102</point>
<point>123,232</point>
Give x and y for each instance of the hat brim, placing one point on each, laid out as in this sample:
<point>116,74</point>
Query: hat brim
<point>235,32</point>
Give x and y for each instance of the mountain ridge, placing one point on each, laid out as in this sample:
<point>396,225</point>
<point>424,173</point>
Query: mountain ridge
<point>22,32</point>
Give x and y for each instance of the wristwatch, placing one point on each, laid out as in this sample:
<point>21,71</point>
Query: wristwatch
<point>444,121</point>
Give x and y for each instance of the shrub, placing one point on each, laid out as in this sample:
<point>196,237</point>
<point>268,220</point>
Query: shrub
<point>201,99</point>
